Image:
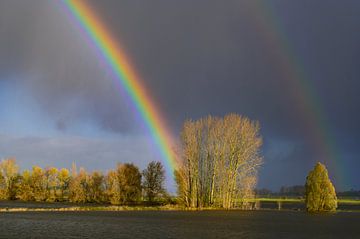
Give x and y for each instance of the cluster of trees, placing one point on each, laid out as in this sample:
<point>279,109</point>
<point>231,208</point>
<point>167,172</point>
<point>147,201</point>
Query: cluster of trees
<point>123,185</point>
<point>296,190</point>
<point>220,158</point>
<point>285,191</point>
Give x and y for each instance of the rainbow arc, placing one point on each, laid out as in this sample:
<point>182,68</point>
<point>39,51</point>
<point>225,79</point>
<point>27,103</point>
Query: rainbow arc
<point>123,72</point>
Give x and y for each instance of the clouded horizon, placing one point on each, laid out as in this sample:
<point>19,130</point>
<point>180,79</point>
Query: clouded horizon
<point>58,103</point>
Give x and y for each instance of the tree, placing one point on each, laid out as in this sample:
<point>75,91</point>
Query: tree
<point>78,188</point>
<point>25,190</point>
<point>112,186</point>
<point>123,185</point>
<point>51,182</point>
<point>95,182</point>
<point>320,194</point>
<point>153,180</point>
<point>8,178</point>
<point>129,178</point>
<point>220,158</point>
<point>64,180</point>
<point>39,183</point>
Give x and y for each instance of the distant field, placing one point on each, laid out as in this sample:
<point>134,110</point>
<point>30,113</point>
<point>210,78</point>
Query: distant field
<point>298,200</point>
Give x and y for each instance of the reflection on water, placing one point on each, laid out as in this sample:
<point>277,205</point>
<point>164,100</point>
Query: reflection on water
<point>171,224</point>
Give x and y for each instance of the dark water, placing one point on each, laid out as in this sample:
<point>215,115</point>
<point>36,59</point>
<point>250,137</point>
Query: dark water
<point>174,224</point>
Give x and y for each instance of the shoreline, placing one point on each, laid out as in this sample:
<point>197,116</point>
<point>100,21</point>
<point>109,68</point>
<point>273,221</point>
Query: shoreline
<point>265,204</point>
<point>152,208</point>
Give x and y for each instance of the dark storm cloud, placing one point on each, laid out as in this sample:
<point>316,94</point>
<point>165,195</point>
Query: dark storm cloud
<point>43,52</point>
<point>202,57</point>
<point>197,58</point>
<point>207,56</point>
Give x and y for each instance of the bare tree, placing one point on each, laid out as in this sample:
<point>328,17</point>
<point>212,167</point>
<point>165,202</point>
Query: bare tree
<point>220,159</point>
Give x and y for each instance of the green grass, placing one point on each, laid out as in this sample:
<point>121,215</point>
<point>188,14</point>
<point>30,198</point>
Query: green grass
<point>298,200</point>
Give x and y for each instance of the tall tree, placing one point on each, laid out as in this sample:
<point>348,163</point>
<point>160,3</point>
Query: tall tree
<point>52,183</point>
<point>112,186</point>
<point>64,181</point>
<point>8,178</point>
<point>39,183</point>
<point>129,178</point>
<point>25,190</point>
<point>95,182</point>
<point>78,188</point>
<point>319,191</point>
<point>153,180</point>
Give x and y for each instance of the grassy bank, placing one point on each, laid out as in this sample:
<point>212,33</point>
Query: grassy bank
<point>299,200</point>
<point>264,204</point>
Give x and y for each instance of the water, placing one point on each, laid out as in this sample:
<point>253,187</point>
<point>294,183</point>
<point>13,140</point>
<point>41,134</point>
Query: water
<point>179,224</point>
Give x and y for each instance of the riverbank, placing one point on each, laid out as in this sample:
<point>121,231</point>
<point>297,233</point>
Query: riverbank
<point>262,204</point>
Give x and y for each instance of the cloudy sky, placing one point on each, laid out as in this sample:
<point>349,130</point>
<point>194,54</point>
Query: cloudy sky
<point>292,65</point>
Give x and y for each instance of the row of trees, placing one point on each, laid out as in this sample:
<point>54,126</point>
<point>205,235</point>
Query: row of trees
<point>220,158</point>
<point>123,185</point>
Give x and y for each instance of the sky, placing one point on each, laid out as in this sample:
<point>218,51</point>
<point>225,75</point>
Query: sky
<point>291,65</point>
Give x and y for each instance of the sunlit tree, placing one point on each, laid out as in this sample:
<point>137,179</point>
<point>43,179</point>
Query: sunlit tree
<point>25,190</point>
<point>39,183</point>
<point>8,178</point>
<point>95,182</point>
<point>220,158</point>
<point>129,178</point>
<point>64,180</point>
<point>51,177</point>
<point>112,186</point>
<point>320,193</point>
<point>78,187</point>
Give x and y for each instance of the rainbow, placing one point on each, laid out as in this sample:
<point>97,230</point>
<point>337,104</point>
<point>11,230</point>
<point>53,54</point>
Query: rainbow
<point>118,62</point>
<point>307,100</point>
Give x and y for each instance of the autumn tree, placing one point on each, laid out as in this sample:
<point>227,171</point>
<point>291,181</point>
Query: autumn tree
<point>95,187</point>
<point>8,178</point>
<point>51,183</point>
<point>39,183</point>
<point>320,193</point>
<point>64,181</point>
<point>123,185</point>
<point>112,187</point>
<point>78,187</point>
<point>153,180</point>
<point>220,161</point>
<point>25,189</point>
<point>129,178</point>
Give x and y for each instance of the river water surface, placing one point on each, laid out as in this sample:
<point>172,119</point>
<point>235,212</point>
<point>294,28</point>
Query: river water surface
<point>179,224</point>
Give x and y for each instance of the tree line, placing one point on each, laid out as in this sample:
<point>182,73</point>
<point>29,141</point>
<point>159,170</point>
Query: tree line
<point>219,160</point>
<point>123,185</point>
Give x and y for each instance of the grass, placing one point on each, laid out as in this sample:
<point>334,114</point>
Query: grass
<point>23,208</point>
<point>92,208</point>
<point>299,200</point>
